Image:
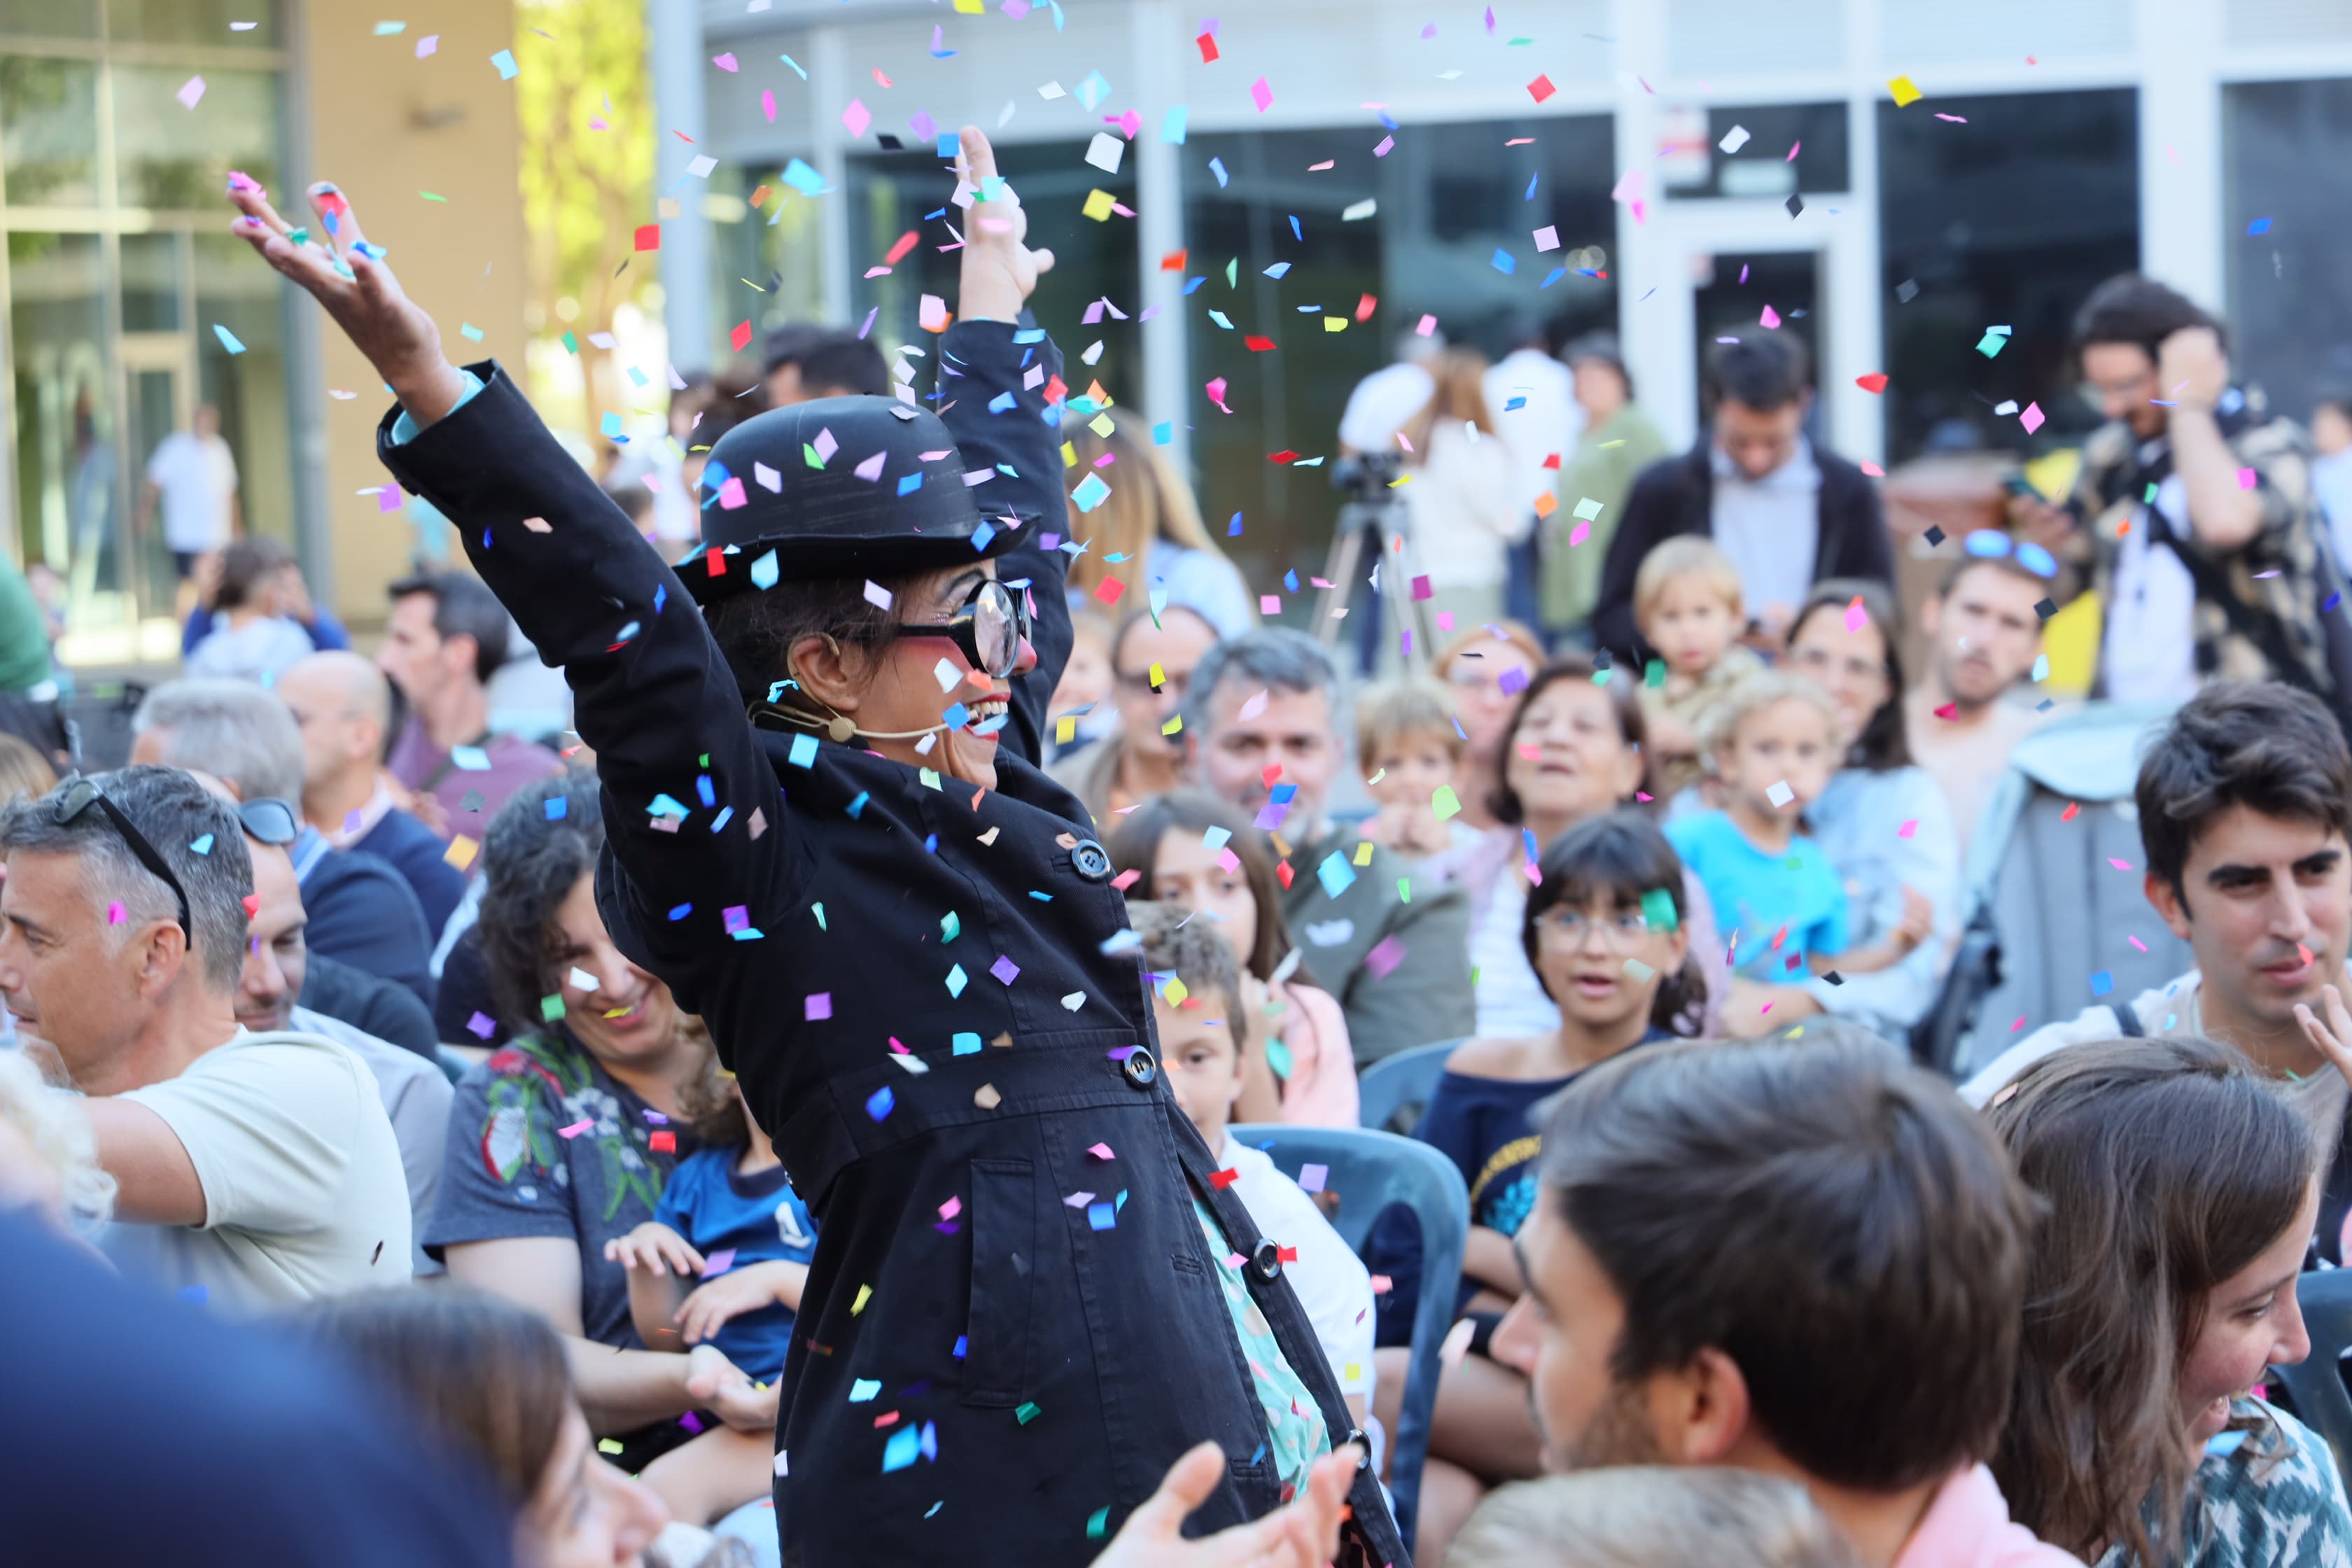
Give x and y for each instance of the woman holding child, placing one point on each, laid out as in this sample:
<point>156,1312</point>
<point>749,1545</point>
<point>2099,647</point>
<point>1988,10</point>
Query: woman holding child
<point>818,740</point>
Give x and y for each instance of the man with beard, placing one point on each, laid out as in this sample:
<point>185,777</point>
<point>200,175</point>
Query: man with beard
<point>1984,635</point>
<point>1801,1257</point>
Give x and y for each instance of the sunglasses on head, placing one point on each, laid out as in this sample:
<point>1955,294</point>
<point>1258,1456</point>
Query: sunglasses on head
<point>74,799</point>
<point>989,626</point>
<point>1990,544</point>
<point>269,820</point>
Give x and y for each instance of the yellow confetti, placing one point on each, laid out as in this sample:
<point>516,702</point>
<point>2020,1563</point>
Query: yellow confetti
<point>1098,204</point>
<point>461,851</point>
<point>1069,456</point>
<point>1364,853</point>
<point>1445,803</point>
<point>1066,729</point>
<point>1101,424</point>
<point>1176,993</point>
<point>1335,324</point>
<point>865,1294</point>
<point>1175,723</point>
<point>1904,89</point>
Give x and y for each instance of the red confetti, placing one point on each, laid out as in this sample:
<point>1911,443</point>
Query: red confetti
<point>1109,589</point>
<point>1284,873</point>
<point>1366,306</point>
<point>1874,382</point>
<point>1285,456</point>
<point>740,335</point>
<point>1221,1179</point>
<point>1257,345</point>
<point>663,1143</point>
<point>897,252</point>
<point>1174,261</point>
<point>649,236</point>
<point>714,562</point>
<point>1127,878</point>
<point>1541,89</point>
<point>2068,814</point>
<point>1208,42</point>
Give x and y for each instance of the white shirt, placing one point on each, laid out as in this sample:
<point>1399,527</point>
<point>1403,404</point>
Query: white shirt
<point>304,1192</point>
<point>1382,404</point>
<point>1511,1000</point>
<point>1771,527</point>
<point>2331,482</point>
<point>1544,425</point>
<point>197,477</point>
<point>1464,507</point>
<point>2152,620</point>
<point>1330,1280</point>
<point>260,650</point>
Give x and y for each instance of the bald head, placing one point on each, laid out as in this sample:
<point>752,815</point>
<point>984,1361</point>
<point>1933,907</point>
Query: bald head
<point>344,706</point>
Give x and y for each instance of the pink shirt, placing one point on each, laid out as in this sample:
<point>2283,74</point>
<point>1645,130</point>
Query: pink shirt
<point>1967,1526</point>
<point>1321,1088</point>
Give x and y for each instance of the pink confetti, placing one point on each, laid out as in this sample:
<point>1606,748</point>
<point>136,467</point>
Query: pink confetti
<point>1428,325</point>
<point>2246,478</point>
<point>1792,152</point>
<point>1908,830</point>
<point>820,1005</point>
<point>730,494</point>
<point>768,104</point>
<point>1856,617</point>
<point>1101,1152</point>
<point>1873,469</point>
<point>2119,864</point>
<point>1216,390</point>
<point>1261,95</point>
<point>2136,943</point>
<point>114,916</point>
<point>190,91</point>
<point>725,62</point>
<point>1770,318</point>
<point>1387,145</point>
<point>717,1263</point>
<point>952,1208</point>
<point>2031,418</point>
<point>857,117</point>
<point>871,469</point>
<point>429,44</point>
<point>1955,118</point>
<point>574,1130</point>
<point>1384,957</point>
<point>1078,1200</point>
<point>2018,1024</point>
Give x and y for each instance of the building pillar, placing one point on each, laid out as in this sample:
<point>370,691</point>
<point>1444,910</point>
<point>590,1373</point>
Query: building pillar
<point>673,30</point>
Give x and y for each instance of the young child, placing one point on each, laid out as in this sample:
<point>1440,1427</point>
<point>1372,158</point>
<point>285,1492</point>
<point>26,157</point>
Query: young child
<point>1686,600</point>
<point>1409,748</point>
<point>1772,742</point>
<point>728,1215</point>
<point>1196,988</point>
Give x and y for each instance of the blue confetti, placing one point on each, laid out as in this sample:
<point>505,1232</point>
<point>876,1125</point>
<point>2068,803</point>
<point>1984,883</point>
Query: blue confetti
<point>900,1451</point>
<point>557,808</point>
<point>1505,262</point>
<point>909,483</point>
<point>681,911</point>
<point>964,1045</point>
<point>804,751</point>
<point>228,339</point>
<point>1192,283</point>
<point>702,787</point>
<point>1217,167</point>
<point>1336,875</point>
<point>1554,276</point>
<point>2259,225</point>
<point>1296,232</point>
<point>857,806</point>
<point>802,177</point>
<point>765,571</point>
<point>982,534</point>
<point>879,1103</point>
<point>2102,983</point>
<point>1532,187</point>
<point>202,845</point>
<point>1278,271</point>
<point>1102,1216</point>
<point>1233,529</point>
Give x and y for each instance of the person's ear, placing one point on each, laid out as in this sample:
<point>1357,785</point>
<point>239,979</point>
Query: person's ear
<point>159,954</point>
<point>1700,1412</point>
<point>1629,778</point>
<point>1931,613</point>
<point>2169,906</point>
<point>460,652</point>
<point>1677,948</point>
<point>832,674</point>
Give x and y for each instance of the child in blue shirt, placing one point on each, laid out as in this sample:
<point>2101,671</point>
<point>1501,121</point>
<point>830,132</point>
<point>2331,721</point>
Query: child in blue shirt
<point>1771,744</point>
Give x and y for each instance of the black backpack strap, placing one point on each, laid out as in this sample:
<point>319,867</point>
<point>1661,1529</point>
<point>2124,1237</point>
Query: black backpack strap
<point>2128,1021</point>
<point>2257,626</point>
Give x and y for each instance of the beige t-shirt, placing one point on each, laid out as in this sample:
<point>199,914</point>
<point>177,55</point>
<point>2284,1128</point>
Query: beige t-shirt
<point>1967,762</point>
<point>304,1192</point>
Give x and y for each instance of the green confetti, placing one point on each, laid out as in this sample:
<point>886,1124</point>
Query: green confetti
<point>1097,1522</point>
<point>1277,1057</point>
<point>819,917</point>
<point>570,343</point>
<point>389,29</point>
<point>470,332</point>
<point>951,926</point>
<point>1653,675</point>
<point>808,455</point>
<point>430,196</point>
<point>1025,1414</point>
<point>1658,909</point>
<point>551,1008</point>
<point>1233,270</point>
<point>1445,803</point>
<point>1404,890</point>
<point>1638,970</point>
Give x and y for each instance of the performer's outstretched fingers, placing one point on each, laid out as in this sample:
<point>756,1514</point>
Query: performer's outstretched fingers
<point>1045,260</point>
<point>979,157</point>
<point>247,196</point>
<point>340,224</point>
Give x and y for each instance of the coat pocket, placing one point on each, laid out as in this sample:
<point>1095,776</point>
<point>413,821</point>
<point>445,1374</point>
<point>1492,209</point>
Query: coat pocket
<point>1000,1328</point>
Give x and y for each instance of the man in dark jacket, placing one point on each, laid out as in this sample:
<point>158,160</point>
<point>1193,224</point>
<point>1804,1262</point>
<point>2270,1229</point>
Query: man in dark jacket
<point>1787,512</point>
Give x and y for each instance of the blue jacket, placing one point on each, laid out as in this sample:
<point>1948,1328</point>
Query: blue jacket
<point>419,855</point>
<point>362,912</point>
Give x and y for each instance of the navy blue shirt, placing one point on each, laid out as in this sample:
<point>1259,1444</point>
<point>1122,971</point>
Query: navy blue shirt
<point>362,912</point>
<point>418,854</point>
<point>758,1218</point>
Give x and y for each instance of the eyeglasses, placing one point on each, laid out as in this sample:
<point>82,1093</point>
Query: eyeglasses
<point>1991,544</point>
<point>990,628</point>
<point>78,794</point>
<point>1174,685</point>
<point>270,820</point>
<point>1568,928</point>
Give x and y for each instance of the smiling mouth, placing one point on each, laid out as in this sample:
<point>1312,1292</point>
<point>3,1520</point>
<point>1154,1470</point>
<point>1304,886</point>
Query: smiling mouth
<point>633,1012</point>
<point>989,715</point>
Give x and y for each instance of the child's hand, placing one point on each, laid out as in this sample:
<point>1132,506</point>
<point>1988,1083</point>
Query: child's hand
<point>651,1245</point>
<point>738,1290</point>
<point>999,269</point>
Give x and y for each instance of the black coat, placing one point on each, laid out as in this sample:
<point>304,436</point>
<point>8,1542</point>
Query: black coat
<point>1054,1370</point>
<point>1677,495</point>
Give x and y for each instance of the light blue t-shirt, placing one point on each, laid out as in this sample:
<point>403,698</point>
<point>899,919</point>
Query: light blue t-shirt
<point>760,1219</point>
<point>1756,894</point>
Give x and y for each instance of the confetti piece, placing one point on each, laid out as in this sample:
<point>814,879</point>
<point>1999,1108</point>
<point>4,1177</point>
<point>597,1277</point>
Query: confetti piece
<point>879,1103</point>
<point>1384,956</point>
<point>1261,95</point>
<point>2031,418</point>
<point>1856,617</point>
<point>114,916</point>
<point>508,70</point>
<point>190,92</point>
<point>576,1129</point>
<point>227,339</point>
<point>1905,91</point>
<point>1541,89</point>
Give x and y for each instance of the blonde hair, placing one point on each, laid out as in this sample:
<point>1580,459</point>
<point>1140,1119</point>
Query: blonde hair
<point>1470,638</point>
<point>1148,501</point>
<point>59,1136</point>
<point>1393,709</point>
<point>1459,396</point>
<point>1685,555</point>
<point>1720,724</point>
<point>1651,1516</point>
<point>23,770</point>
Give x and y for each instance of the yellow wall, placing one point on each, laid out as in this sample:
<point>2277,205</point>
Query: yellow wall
<point>385,126</point>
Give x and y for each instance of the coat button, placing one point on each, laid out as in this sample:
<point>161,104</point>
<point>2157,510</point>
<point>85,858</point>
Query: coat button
<point>1268,1260</point>
<point>1139,1067</point>
<point>1092,861</point>
<point>1356,1436</point>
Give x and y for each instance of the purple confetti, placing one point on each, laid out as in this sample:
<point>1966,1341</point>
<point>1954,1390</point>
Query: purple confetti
<point>820,1005</point>
<point>482,1025</point>
<point>1005,970</point>
<point>1384,957</point>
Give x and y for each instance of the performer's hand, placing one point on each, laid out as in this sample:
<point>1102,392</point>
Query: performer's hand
<point>1305,1533</point>
<point>397,337</point>
<point>999,269</point>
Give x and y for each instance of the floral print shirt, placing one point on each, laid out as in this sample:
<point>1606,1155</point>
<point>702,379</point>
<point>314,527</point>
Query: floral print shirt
<point>2266,1495</point>
<point>545,1142</point>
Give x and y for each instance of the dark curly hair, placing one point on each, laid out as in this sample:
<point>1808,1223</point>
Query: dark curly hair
<point>531,861</point>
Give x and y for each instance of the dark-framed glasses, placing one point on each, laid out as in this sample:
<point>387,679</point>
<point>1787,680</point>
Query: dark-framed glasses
<point>78,794</point>
<point>1568,927</point>
<point>989,626</point>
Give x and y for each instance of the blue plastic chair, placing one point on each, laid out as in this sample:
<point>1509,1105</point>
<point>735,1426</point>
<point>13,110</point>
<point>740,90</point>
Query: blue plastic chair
<point>2315,1385</point>
<point>1405,1079</point>
<point>1370,1171</point>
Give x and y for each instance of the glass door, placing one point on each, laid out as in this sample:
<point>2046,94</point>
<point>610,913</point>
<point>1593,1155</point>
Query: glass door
<point>160,396</point>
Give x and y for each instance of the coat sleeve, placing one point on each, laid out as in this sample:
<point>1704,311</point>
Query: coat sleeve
<point>1648,518</point>
<point>652,693</point>
<point>999,396</point>
<point>1864,548</point>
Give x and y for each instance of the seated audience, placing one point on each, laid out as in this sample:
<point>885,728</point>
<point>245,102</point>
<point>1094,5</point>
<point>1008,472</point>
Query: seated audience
<point>1572,750</point>
<point>1789,514</point>
<point>1686,602</point>
<point>361,910</point>
<point>1191,850</point>
<point>259,1453</point>
<point>342,706</point>
<point>728,1215</point>
<point>48,1155</point>
<point>415,1091</point>
<point>1407,741</point>
<point>1603,931</point>
<point>448,635</point>
<point>1884,823</point>
<point>2331,466</point>
<point>2178,1192</point>
<point>1151,669</point>
<point>317,623</point>
<point>1081,706</point>
<point>808,360</point>
<point>1195,991</point>
<point>1770,742</point>
<point>251,1169</point>
<point>1984,635</point>
<point>489,1381</point>
<point>1261,722</point>
<point>2244,800</point>
<point>1617,443</point>
<point>251,638</point>
<point>379,1007</point>
<point>22,769</point>
<point>1148,531</point>
<point>1486,669</point>
<point>1800,1258</point>
<point>1651,1516</point>
<point>524,1213</point>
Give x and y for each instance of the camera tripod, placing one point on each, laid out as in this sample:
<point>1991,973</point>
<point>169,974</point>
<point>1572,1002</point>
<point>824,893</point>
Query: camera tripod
<point>1372,512</point>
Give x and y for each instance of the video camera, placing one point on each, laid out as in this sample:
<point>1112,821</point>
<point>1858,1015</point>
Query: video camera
<point>1368,477</point>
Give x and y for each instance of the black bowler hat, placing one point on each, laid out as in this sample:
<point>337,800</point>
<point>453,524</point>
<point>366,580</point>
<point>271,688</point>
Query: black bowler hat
<point>863,487</point>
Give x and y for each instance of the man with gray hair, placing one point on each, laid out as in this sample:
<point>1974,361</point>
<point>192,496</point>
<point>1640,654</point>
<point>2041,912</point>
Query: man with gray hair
<point>1261,726</point>
<point>362,911</point>
<point>253,1170</point>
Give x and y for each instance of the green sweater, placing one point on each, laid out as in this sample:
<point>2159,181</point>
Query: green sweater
<point>1609,456</point>
<point>1399,967</point>
<point>24,634</point>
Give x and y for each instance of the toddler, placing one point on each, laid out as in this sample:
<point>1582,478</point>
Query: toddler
<point>1407,741</point>
<point>1686,600</point>
<point>1196,988</point>
<point>1771,742</point>
<point>727,1215</point>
